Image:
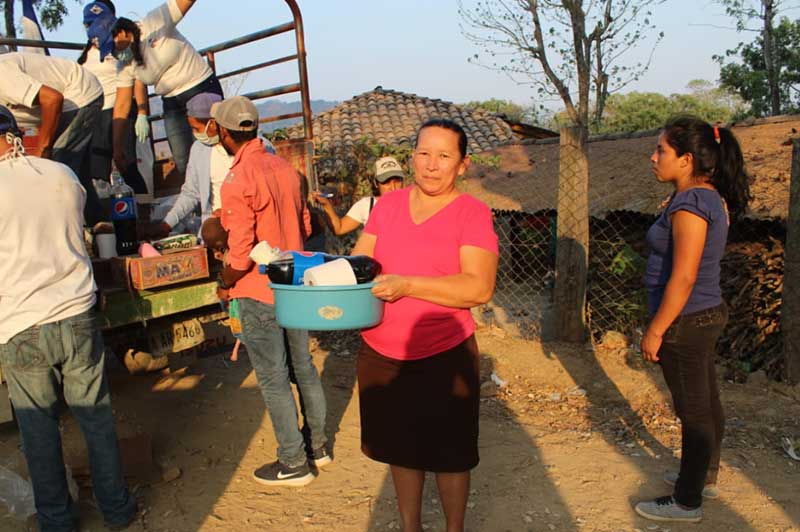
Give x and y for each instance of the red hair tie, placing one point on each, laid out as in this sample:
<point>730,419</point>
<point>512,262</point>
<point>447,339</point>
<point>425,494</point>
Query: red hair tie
<point>716,134</point>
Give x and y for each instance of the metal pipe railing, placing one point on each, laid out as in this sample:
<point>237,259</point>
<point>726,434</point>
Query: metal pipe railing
<point>34,43</point>
<point>239,41</point>
<point>210,54</point>
<point>265,64</point>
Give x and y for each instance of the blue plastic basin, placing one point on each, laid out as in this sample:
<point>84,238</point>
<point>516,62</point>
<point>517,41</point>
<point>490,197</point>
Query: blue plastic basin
<point>326,308</point>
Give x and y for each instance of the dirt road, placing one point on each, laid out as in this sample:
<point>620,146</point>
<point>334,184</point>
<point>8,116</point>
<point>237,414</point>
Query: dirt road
<point>573,440</point>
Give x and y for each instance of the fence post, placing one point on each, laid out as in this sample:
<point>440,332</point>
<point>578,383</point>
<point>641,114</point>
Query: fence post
<point>790,304</point>
<point>572,248</point>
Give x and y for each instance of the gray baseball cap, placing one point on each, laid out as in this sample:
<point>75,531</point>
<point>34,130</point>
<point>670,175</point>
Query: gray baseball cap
<point>387,168</point>
<point>235,114</point>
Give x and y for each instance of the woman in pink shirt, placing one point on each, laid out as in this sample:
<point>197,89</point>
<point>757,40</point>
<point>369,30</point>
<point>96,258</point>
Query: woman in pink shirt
<point>418,370</point>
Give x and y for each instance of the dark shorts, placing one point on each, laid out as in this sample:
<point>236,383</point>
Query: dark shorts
<point>421,414</point>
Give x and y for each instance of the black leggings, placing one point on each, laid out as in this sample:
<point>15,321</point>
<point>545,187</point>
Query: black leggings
<point>687,360</point>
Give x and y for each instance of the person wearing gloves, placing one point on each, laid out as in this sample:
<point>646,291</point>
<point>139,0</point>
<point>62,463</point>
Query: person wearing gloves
<point>63,101</point>
<point>154,52</point>
<point>388,177</point>
<point>51,348</point>
<point>106,73</point>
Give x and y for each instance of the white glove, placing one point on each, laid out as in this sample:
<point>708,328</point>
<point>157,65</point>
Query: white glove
<point>142,128</point>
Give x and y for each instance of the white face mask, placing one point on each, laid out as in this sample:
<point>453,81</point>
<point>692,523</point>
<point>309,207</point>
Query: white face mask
<point>204,138</point>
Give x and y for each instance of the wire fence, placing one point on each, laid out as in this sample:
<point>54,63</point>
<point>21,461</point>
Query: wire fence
<point>623,202</point>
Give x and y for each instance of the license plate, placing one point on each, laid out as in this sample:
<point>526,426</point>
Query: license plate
<point>177,337</point>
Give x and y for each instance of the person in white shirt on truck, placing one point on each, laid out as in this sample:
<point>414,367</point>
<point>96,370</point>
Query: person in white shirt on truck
<point>154,52</point>
<point>63,101</point>
<point>106,73</point>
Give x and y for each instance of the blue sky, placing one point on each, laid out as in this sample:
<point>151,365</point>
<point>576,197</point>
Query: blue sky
<point>414,46</point>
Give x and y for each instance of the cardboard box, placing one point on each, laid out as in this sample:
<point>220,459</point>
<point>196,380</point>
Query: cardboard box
<point>154,272</point>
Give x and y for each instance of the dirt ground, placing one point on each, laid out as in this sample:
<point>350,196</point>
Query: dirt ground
<point>573,440</point>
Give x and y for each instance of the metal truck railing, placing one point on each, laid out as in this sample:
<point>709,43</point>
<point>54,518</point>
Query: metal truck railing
<point>299,151</point>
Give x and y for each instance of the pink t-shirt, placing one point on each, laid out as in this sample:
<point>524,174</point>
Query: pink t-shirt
<point>412,328</point>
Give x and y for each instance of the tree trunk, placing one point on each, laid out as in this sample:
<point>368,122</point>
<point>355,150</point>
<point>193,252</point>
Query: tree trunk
<point>572,248</point>
<point>769,57</point>
<point>790,307</point>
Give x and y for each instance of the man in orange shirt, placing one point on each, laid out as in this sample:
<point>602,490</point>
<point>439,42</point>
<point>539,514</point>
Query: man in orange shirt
<point>262,200</point>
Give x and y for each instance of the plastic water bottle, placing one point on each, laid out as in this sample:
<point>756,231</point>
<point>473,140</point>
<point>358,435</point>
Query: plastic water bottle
<point>123,215</point>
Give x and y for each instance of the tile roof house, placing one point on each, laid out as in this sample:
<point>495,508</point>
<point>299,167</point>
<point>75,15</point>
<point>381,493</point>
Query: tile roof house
<point>392,117</point>
<point>620,174</point>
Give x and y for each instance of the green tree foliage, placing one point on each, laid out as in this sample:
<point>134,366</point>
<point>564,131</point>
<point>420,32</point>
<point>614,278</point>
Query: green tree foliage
<point>51,14</point>
<point>496,106</point>
<point>570,49</point>
<point>637,111</point>
<point>748,76</point>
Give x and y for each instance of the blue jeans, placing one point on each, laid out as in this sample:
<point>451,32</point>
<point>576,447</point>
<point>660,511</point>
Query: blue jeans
<point>270,347</point>
<point>72,147</point>
<point>179,133</point>
<point>43,364</point>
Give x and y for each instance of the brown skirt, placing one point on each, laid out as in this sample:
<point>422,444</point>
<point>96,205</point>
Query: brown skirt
<point>421,414</point>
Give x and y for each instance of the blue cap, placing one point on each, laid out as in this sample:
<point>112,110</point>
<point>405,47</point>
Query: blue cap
<point>101,25</point>
<point>93,10</point>
<point>8,122</point>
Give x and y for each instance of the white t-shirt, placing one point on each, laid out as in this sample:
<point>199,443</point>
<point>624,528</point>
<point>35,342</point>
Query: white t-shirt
<point>220,166</point>
<point>106,74</point>
<point>45,272</point>
<point>22,75</point>
<point>170,62</point>
<point>360,210</point>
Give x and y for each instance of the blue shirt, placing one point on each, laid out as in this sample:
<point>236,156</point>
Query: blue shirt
<point>706,293</point>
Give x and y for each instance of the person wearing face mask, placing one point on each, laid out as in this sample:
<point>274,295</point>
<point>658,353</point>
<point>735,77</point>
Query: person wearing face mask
<point>154,52</point>
<point>208,165</point>
<point>106,73</point>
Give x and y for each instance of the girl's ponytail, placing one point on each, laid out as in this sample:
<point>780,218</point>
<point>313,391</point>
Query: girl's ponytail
<point>730,178</point>
<point>716,157</point>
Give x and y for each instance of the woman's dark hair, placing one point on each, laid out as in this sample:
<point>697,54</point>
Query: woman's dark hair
<point>131,27</point>
<point>85,52</point>
<point>450,125</point>
<point>716,156</point>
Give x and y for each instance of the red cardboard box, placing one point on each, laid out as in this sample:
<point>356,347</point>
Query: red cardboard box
<point>154,272</point>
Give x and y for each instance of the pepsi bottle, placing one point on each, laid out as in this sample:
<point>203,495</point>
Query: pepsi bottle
<point>123,215</point>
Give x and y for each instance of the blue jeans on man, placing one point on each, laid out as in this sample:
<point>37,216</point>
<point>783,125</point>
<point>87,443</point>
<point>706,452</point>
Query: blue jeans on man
<point>42,365</point>
<point>270,348</point>
<point>72,147</point>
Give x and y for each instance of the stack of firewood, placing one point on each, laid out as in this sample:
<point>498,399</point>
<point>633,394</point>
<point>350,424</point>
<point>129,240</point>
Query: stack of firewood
<point>752,285</point>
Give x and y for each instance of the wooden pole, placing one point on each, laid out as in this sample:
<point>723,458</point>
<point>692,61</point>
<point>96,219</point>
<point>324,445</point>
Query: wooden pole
<point>790,305</point>
<point>572,248</point>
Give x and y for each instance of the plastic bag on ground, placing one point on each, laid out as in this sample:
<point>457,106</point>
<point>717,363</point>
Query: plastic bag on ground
<point>16,494</point>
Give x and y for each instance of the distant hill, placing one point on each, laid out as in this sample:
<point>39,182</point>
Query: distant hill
<point>266,108</point>
<point>275,108</point>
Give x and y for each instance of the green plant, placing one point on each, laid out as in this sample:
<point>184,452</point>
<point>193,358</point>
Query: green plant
<point>353,165</point>
<point>627,261</point>
<point>491,161</point>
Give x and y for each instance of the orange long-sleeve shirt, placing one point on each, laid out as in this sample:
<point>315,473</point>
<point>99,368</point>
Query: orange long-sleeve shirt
<point>261,200</point>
